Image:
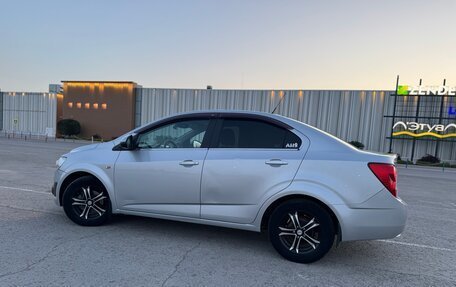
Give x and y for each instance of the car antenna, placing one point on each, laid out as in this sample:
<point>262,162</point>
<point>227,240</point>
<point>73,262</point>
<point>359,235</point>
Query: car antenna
<point>280,101</point>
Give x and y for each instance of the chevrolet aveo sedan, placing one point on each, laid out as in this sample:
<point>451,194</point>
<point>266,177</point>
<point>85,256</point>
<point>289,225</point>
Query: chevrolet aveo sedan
<point>244,170</point>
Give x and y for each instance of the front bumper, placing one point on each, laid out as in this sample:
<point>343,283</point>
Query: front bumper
<point>58,175</point>
<point>54,188</point>
<point>380,217</point>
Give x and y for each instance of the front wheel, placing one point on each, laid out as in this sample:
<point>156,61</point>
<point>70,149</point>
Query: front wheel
<point>86,202</point>
<point>301,231</point>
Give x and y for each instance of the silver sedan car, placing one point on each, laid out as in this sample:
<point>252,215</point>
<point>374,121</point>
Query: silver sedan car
<point>245,170</point>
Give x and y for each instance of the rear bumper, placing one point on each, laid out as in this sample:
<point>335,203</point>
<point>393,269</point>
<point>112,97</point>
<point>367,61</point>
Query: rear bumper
<point>382,216</point>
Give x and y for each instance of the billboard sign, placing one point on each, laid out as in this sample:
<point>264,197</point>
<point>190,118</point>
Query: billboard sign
<point>443,90</point>
<point>415,129</point>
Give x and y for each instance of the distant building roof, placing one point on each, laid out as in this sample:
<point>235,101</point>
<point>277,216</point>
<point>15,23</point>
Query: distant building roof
<point>116,82</point>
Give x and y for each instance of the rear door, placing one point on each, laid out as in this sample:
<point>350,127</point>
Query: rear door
<point>249,160</point>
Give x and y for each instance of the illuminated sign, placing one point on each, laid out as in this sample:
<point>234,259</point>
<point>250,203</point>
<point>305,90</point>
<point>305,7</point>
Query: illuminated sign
<point>415,129</point>
<point>452,110</point>
<point>426,90</point>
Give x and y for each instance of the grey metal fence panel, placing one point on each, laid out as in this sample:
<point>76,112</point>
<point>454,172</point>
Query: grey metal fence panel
<point>137,108</point>
<point>1,110</point>
<point>33,113</point>
<point>349,115</point>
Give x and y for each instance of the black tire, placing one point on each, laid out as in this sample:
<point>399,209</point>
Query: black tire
<point>314,239</point>
<point>86,202</point>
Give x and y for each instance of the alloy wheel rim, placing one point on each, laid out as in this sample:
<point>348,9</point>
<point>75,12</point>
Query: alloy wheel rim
<point>300,232</point>
<point>89,203</point>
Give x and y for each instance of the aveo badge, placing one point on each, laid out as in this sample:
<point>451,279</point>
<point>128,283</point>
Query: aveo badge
<point>291,145</point>
<point>416,130</point>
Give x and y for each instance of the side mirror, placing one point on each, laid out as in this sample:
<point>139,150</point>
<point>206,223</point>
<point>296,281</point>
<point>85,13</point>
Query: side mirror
<point>128,144</point>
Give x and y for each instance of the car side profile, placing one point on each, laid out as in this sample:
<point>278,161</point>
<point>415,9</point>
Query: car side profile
<point>237,169</point>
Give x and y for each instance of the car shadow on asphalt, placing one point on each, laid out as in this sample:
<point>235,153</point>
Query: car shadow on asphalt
<point>188,230</point>
<point>345,253</point>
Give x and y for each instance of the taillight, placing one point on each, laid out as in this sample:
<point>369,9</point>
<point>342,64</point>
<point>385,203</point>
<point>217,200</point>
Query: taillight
<point>387,175</point>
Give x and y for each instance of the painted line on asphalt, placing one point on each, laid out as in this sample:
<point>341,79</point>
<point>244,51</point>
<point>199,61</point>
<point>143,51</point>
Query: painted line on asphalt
<point>30,209</point>
<point>24,189</point>
<point>417,245</point>
<point>429,204</point>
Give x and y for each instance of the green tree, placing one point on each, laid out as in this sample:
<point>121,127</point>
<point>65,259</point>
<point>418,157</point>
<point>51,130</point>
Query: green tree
<point>357,144</point>
<point>68,127</point>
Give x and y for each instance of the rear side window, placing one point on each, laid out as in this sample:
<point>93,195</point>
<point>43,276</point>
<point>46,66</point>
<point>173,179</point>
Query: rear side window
<point>246,133</point>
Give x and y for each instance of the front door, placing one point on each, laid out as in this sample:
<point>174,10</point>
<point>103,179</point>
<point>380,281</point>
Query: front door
<point>163,175</point>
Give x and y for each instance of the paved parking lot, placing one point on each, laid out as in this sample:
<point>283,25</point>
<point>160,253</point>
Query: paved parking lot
<point>40,246</point>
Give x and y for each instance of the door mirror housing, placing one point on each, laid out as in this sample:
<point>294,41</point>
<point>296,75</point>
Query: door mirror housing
<point>128,144</point>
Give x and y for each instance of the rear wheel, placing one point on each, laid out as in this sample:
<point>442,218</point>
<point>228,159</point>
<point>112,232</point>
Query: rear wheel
<point>301,231</point>
<point>86,202</point>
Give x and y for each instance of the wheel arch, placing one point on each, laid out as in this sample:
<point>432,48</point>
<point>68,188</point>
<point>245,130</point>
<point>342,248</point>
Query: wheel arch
<point>72,176</point>
<point>279,201</point>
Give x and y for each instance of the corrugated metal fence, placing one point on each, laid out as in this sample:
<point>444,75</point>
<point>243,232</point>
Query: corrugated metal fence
<point>29,113</point>
<point>1,110</point>
<point>349,115</point>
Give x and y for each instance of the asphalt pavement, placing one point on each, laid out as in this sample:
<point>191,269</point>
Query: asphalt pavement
<point>40,246</point>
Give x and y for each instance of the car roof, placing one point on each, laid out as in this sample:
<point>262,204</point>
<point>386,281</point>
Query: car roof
<point>278,120</point>
<point>225,112</point>
<point>283,120</point>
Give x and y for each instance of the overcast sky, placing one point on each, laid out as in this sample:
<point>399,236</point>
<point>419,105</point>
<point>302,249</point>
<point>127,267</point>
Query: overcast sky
<point>230,44</point>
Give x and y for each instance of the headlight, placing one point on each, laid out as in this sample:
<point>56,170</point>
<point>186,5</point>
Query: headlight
<point>60,161</point>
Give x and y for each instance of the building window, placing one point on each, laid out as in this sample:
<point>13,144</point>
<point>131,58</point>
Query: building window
<point>78,105</point>
<point>95,106</point>
<point>87,105</point>
<point>104,106</point>
<point>70,105</point>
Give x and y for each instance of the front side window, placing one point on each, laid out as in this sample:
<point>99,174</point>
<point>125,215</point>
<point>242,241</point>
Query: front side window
<point>181,134</point>
<point>246,133</point>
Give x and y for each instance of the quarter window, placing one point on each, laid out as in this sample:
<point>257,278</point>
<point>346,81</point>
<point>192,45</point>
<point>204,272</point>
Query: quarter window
<point>181,134</point>
<point>245,133</point>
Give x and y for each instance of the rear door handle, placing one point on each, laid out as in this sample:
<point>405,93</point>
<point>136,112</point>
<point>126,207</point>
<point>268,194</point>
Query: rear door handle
<point>276,162</point>
<point>188,162</point>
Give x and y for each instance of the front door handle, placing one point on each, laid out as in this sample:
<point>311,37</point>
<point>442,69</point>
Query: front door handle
<point>188,162</point>
<point>276,162</point>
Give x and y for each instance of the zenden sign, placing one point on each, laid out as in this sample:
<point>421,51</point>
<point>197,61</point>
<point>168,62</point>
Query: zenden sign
<point>413,129</point>
<point>404,90</point>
